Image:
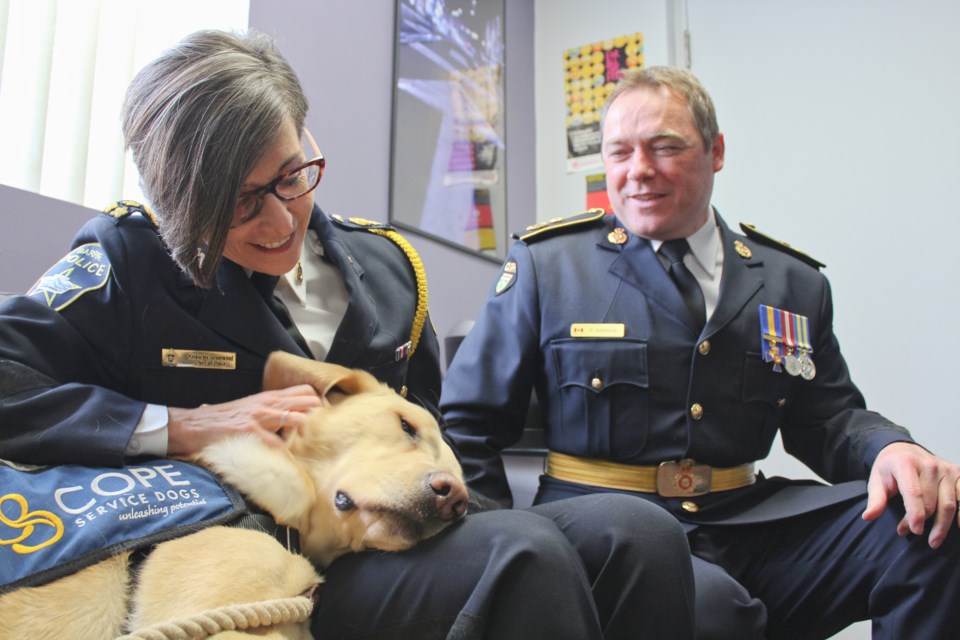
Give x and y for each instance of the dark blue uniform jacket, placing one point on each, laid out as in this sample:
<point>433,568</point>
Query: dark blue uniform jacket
<point>640,410</point>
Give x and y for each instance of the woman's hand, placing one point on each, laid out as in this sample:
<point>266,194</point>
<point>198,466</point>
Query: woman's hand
<point>270,415</point>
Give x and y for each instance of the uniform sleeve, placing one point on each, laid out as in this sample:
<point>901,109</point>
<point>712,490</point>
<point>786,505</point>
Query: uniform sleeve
<point>829,427</point>
<point>64,359</point>
<point>487,388</point>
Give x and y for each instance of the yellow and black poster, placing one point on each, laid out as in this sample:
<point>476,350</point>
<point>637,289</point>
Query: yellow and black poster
<point>590,74</point>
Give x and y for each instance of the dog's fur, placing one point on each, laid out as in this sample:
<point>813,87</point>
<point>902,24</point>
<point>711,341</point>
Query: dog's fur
<point>369,471</point>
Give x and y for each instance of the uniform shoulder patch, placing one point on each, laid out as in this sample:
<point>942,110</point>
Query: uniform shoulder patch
<point>359,223</point>
<point>751,232</point>
<point>123,208</point>
<point>84,269</point>
<point>552,227</point>
<point>508,277</point>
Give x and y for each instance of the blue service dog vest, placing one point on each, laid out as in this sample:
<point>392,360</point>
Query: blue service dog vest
<point>55,521</point>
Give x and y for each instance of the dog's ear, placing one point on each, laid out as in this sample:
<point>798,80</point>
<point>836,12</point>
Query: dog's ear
<point>286,370</point>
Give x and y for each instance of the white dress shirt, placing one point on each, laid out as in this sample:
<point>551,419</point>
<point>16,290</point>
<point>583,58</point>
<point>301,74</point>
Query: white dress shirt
<point>704,260</point>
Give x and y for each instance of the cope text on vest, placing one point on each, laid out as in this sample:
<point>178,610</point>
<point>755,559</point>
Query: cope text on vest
<point>111,491</point>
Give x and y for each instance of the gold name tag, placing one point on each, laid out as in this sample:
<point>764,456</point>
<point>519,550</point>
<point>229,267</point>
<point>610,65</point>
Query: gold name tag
<point>588,330</point>
<point>199,359</point>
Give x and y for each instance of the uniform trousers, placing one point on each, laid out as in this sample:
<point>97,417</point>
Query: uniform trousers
<point>821,571</point>
<point>723,608</point>
<point>585,568</point>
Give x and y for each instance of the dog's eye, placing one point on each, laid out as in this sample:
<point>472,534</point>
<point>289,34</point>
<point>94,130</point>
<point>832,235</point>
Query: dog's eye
<point>343,502</point>
<point>408,428</point>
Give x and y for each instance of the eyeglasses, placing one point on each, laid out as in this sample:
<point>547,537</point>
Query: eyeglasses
<point>289,186</point>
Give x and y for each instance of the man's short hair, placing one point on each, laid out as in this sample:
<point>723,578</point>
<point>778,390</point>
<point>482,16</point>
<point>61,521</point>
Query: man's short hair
<point>679,81</point>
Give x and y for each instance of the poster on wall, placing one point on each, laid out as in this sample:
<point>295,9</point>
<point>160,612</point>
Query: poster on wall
<point>597,197</point>
<point>590,74</point>
<point>447,167</point>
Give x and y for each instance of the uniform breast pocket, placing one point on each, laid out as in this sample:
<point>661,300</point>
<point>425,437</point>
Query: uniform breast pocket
<point>190,387</point>
<point>603,393</point>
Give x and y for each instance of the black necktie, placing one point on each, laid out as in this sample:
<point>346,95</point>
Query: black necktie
<point>674,250</point>
<point>266,285</point>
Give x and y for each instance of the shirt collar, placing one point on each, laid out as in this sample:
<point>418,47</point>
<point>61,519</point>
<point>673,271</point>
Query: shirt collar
<point>703,243</point>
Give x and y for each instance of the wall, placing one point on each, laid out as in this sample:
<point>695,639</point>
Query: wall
<point>35,232</point>
<point>343,53</point>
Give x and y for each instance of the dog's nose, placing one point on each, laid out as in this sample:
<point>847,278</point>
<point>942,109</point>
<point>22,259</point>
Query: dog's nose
<point>449,495</point>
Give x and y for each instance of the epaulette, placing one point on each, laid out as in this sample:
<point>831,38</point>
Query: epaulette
<point>360,224</point>
<point>387,231</point>
<point>751,232</point>
<point>123,208</point>
<point>546,229</point>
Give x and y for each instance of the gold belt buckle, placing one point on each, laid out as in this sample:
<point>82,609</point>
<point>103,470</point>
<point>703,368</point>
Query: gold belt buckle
<point>683,479</point>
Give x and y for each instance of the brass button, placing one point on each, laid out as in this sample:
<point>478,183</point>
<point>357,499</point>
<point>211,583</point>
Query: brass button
<point>596,383</point>
<point>696,411</point>
<point>403,391</point>
<point>704,347</point>
<point>781,402</point>
<point>689,507</point>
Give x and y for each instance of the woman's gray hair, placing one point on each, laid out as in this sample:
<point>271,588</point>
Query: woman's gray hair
<point>197,119</point>
<point>680,82</point>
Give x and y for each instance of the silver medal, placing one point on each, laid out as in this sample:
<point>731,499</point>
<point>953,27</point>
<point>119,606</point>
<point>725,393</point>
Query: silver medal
<point>791,364</point>
<point>807,369</point>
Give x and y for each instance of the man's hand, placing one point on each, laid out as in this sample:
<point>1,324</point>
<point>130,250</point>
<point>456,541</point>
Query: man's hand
<point>269,415</point>
<point>929,485</point>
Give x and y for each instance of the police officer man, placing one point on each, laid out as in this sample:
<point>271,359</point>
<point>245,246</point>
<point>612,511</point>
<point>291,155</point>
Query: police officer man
<point>670,391</point>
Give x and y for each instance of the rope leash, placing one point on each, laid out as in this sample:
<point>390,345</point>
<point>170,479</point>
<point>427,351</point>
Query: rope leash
<point>229,618</point>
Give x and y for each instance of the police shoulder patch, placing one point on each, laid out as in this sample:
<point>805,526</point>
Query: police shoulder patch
<point>84,269</point>
<point>508,277</point>
<point>751,232</point>
<point>542,230</point>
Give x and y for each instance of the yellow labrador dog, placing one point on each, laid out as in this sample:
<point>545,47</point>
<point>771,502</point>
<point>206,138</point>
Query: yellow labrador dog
<point>369,471</point>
